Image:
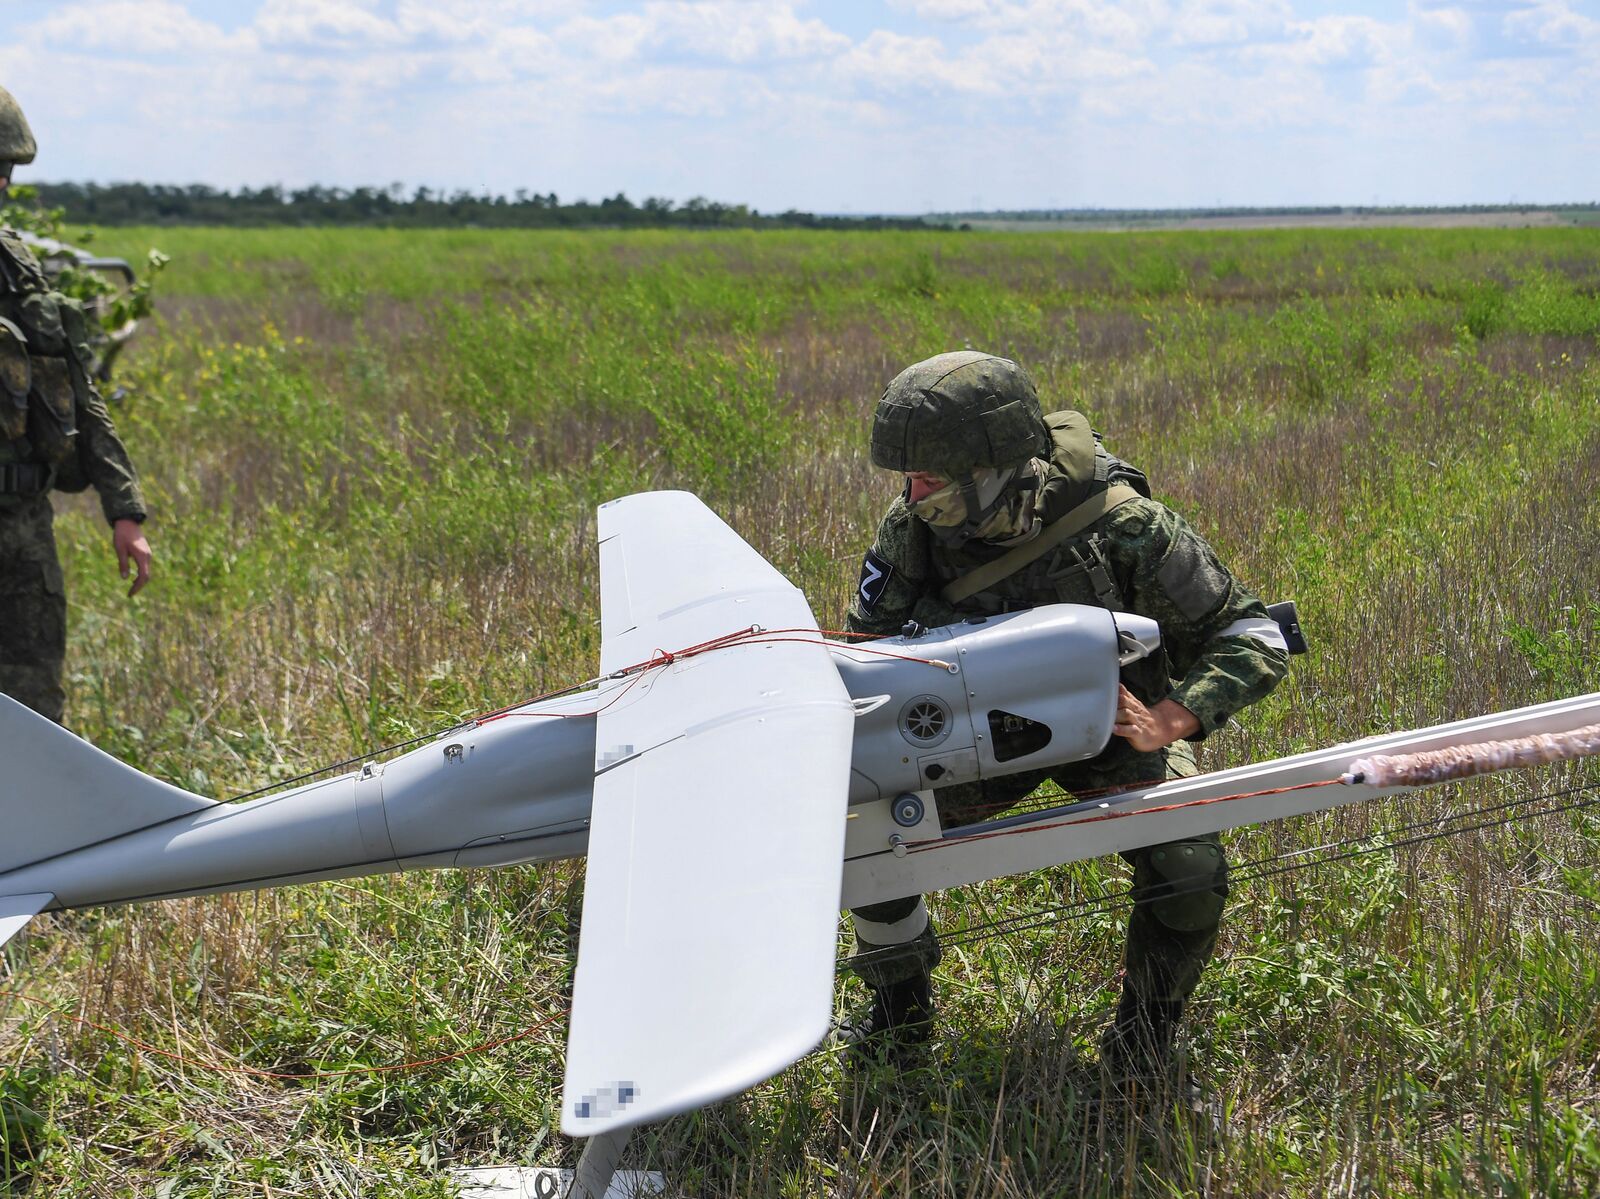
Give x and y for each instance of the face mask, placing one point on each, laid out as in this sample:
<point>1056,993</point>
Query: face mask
<point>1003,516</point>
<point>942,509</point>
<point>1012,523</point>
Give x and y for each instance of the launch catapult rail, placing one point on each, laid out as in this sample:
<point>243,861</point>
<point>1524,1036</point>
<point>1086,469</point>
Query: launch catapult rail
<point>885,861</point>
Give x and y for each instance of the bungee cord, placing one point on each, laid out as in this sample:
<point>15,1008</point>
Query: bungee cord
<point>1464,761</point>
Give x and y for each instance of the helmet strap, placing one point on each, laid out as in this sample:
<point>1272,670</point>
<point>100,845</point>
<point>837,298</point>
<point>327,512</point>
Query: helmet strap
<point>976,513</point>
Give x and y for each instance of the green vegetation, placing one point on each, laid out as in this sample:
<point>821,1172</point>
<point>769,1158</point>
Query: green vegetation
<point>198,204</point>
<point>1237,217</point>
<point>373,458</point>
<point>109,304</point>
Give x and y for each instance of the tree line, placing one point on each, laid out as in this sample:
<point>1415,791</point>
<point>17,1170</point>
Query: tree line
<point>199,204</point>
<point>1095,216</point>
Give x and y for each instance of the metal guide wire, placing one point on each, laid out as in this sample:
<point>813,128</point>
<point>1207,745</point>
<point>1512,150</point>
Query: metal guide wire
<point>1254,870</point>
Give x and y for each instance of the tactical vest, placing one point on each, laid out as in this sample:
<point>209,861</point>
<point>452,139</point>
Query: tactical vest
<point>1077,571</point>
<point>44,356</point>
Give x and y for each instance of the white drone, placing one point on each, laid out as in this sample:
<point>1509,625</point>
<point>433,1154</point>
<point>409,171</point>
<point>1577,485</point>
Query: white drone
<point>757,768</point>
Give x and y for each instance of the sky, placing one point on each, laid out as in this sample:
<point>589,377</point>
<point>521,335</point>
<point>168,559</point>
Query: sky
<point>893,106</point>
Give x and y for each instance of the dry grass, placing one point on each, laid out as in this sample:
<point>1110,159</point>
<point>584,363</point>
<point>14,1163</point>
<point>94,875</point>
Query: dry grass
<point>374,461</point>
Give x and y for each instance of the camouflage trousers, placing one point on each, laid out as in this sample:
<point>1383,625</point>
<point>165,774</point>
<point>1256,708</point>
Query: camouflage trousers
<point>33,608</point>
<point>1179,887</point>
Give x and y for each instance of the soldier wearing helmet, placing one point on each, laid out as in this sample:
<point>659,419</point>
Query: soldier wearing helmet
<point>986,472</point>
<point>55,433</point>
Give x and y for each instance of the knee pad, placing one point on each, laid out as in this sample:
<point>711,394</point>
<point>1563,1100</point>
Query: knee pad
<point>898,922</point>
<point>893,943</point>
<point>1187,882</point>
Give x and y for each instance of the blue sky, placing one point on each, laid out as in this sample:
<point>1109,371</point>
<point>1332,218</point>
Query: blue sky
<point>871,106</point>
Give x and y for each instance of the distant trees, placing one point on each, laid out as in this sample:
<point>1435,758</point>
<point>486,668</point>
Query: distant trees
<point>1102,216</point>
<point>198,204</point>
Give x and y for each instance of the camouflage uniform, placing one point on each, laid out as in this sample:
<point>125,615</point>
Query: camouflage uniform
<point>1140,557</point>
<point>55,432</point>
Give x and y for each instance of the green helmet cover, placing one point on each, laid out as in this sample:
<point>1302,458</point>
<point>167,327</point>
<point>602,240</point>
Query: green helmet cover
<point>16,139</point>
<point>953,413</point>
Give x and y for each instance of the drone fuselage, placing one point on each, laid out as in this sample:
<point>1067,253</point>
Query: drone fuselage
<point>943,706</point>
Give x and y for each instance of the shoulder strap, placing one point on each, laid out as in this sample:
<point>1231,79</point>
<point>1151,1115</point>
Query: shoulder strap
<point>1052,535</point>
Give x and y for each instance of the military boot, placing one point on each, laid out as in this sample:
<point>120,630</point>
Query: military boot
<point>901,1018</point>
<point>1138,1042</point>
<point>1140,1065</point>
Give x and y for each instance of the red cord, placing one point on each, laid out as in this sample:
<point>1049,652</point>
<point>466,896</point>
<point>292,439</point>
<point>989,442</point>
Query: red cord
<point>754,635</point>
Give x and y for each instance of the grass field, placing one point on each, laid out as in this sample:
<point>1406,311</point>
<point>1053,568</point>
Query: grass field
<point>1372,219</point>
<point>372,459</point>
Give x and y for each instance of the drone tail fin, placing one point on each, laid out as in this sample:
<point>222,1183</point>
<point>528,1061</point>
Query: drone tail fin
<point>59,793</point>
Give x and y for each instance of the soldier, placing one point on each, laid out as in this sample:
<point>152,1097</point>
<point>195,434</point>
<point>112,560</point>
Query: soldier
<point>55,432</point>
<point>1005,508</point>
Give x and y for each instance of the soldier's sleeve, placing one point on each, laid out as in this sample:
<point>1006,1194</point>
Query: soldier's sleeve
<point>1223,650</point>
<point>897,581</point>
<point>102,457</point>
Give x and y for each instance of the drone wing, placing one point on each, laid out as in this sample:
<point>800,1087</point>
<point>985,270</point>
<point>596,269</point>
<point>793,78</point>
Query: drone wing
<point>710,911</point>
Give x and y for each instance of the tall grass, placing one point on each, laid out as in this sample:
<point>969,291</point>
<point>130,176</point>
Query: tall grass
<point>373,459</point>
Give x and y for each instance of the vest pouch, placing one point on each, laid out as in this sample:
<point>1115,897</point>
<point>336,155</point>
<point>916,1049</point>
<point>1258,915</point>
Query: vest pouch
<point>39,314</point>
<point>52,427</point>
<point>75,330</point>
<point>16,380</point>
<point>18,267</point>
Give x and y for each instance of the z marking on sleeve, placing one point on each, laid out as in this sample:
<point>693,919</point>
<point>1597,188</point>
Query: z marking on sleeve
<point>875,576</point>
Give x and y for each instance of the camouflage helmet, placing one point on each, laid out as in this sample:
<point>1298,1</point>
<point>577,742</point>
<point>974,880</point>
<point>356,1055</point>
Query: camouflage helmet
<point>16,139</point>
<point>954,413</point>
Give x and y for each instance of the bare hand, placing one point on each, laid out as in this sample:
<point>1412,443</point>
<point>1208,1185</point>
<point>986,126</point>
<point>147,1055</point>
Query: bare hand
<point>1154,728</point>
<point>127,538</point>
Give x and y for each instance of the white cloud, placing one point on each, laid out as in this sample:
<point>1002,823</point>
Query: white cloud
<point>1123,22</point>
<point>707,30</point>
<point>892,62</point>
<point>468,20</point>
<point>949,10</point>
<point>1220,22</point>
<point>540,93</point>
<point>1217,102</point>
<point>743,33</point>
<point>1340,41</point>
<point>616,39</point>
<point>134,27</point>
<point>1443,27</point>
<point>1016,66</point>
<point>1553,23</point>
<point>325,23</point>
<point>422,24</point>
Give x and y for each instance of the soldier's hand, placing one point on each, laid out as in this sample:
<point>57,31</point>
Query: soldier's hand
<point>127,538</point>
<point>1154,728</point>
